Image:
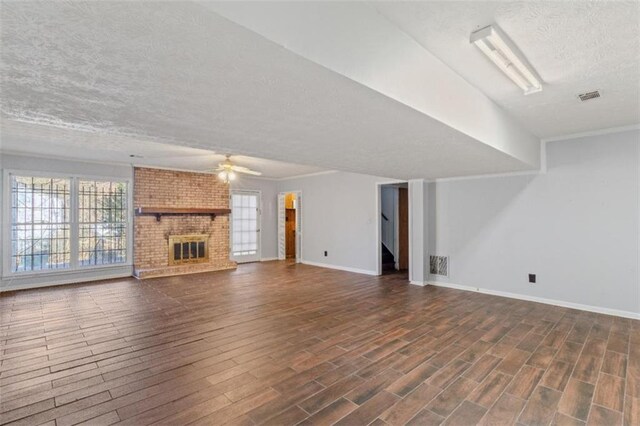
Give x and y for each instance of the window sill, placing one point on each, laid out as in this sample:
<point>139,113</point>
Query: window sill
<point>55,272</point>
<point>26,281</point>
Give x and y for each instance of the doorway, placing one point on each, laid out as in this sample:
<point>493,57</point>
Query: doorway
<point>245,226</point>
<point>289,225</point>
<point>393,228</point>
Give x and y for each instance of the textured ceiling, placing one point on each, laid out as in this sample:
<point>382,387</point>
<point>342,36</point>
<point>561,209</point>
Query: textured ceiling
<point>57,142</point>
<point>133,74</point>
<point>178,73</point>
<point>575,46</point>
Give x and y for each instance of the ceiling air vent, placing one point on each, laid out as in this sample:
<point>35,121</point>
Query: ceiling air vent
<point>589,95</point>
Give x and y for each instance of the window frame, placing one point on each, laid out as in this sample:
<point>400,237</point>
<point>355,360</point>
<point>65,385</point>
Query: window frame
<point>74,264</point>
<point>128,222</point>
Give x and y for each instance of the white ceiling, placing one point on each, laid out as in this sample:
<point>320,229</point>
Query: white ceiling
<point>575,46</point>
<point>54,142</point>
<point>178,73</point>
<point>135,74</point>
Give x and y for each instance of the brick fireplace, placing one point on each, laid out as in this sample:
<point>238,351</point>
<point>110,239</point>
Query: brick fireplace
<point>181,193</point>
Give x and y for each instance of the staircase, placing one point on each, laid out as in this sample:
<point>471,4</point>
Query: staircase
<point>388,261</point>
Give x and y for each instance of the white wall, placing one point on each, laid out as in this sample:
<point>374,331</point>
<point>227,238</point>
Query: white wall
<point>269,209</point>
<point>339,215</point>
<point>48,165</point>
<point>418,231</point>
<point>576,226</point>
<point>44,164</point>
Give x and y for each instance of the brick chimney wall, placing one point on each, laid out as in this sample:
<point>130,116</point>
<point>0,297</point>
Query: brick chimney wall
<point>167,188</point>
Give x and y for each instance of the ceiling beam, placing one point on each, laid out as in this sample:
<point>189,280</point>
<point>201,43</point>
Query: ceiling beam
<point>356,41</point>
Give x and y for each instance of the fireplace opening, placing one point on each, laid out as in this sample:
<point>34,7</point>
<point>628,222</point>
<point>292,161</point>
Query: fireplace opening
<point>187,249</point>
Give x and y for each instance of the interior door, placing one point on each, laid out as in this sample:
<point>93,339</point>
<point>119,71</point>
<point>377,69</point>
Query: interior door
<point>290,222</point>
<point>245,226</point>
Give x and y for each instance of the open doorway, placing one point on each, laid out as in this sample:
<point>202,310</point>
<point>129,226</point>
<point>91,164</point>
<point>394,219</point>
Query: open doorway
<point>394,228</point>
<point>289,226</point>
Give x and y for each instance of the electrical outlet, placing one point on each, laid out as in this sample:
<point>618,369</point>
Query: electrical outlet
<point>532,278</point>
<point>325,253</point>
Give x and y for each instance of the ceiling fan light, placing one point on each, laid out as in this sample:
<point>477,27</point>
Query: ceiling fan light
<point>223,176</point>
<point>231,175</point>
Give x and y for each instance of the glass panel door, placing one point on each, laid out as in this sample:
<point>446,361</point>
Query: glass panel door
<point>245,226</point>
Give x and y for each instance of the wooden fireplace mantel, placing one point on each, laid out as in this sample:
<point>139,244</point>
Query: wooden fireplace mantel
<point>158,212</point>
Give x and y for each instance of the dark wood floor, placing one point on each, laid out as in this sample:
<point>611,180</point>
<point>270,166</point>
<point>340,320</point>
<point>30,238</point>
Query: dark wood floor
<point>280,344</point>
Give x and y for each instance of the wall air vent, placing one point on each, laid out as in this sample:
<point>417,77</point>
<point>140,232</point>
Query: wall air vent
<point>439,265</point>
<point>589,95</point>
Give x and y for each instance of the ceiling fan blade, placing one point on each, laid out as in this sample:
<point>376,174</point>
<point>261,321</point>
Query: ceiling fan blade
<point>241,169</point>
<point>169,156</point>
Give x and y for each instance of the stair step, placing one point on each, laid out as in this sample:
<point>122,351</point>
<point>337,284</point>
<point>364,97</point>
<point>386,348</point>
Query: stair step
<point>388,267</point>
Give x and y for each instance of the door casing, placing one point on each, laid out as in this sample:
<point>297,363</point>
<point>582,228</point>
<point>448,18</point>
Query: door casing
<point>378,239</point>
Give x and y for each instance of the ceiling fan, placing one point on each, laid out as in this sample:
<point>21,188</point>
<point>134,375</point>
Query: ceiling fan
<point>227,170</point>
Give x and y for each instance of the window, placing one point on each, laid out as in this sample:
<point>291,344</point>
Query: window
<point>40,223</point>
<point>102,222</point>
<point>67,223</point>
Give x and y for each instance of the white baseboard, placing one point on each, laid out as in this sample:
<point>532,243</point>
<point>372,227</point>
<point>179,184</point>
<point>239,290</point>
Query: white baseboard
<point>340,268</point>
<point>268,259</point>
<point>420,283</point>
<point>588,308</point>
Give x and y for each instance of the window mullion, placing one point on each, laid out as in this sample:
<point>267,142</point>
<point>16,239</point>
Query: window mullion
<point>74,228</point>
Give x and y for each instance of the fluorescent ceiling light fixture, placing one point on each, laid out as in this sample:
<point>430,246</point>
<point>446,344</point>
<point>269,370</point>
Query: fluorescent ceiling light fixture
<point>493,43</point>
